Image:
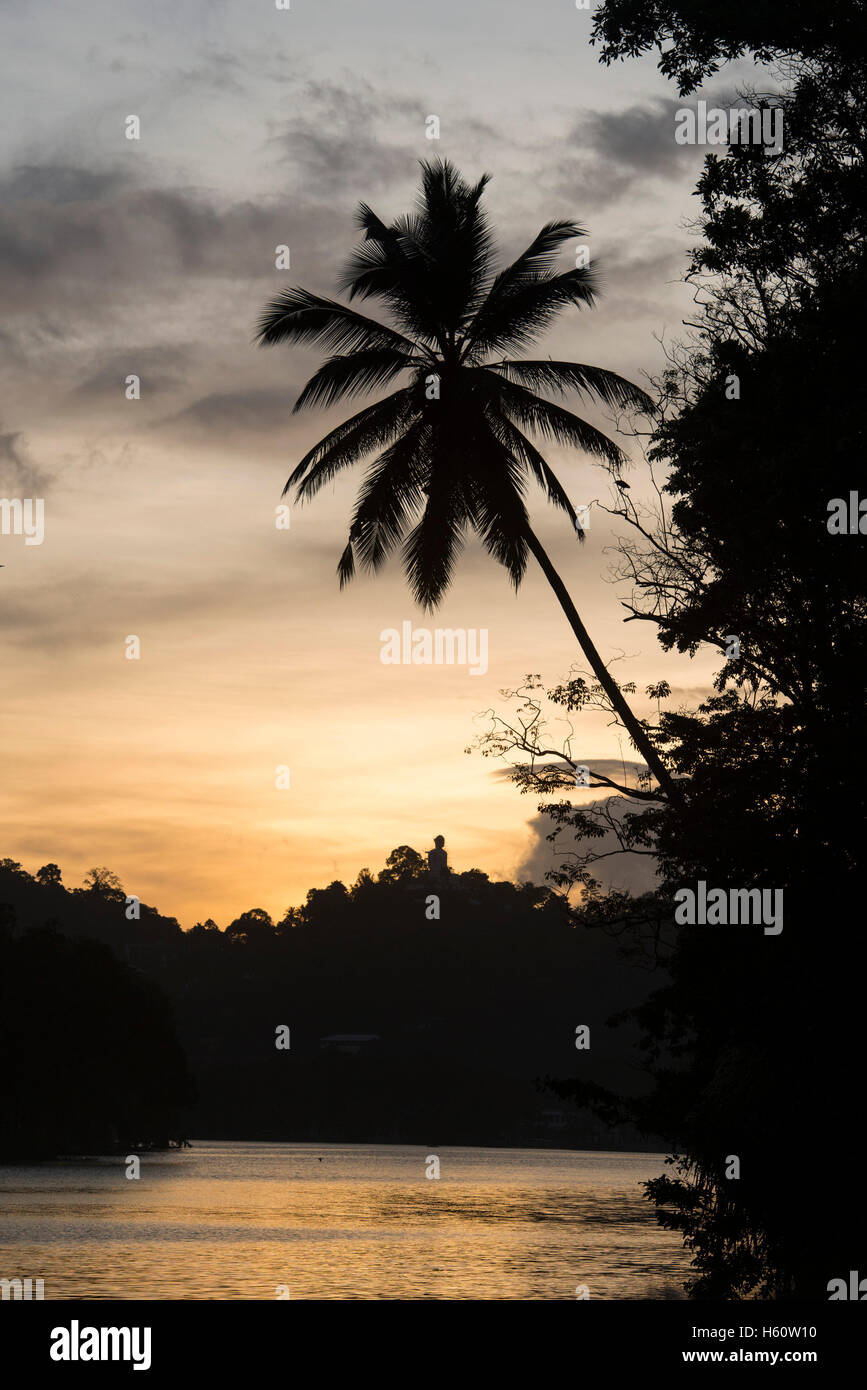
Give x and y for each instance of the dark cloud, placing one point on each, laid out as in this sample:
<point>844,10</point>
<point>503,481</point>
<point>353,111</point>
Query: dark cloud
<point>639,288</point>
<point>126,240</point>
<point>627,273</point>
<point>20,476</point>
<point>619,151</point>
<point>23,339</point>
<point>95,608</point>
<point>217,69</point>
<point>337,140</point>
<point>228,412</point>
<point>58,183</point>
<point>159,368</point>
<point>640,138</point>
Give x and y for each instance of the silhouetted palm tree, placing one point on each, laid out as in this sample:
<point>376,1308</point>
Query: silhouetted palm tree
<point>450,450</point>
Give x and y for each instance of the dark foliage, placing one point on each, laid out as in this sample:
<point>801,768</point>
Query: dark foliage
<point>459,1018</point>
<point>91,1060</point>
<point>753,1040</point>
<point>694,38</point>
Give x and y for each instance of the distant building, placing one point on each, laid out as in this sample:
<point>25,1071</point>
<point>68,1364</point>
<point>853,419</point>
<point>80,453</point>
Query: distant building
<point>554,1119</point>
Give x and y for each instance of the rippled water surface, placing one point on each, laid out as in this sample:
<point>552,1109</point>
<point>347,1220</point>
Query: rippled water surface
<point>235,1221</point>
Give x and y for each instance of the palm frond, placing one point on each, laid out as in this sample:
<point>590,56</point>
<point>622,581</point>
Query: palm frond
<point>457,237</point>
<point>346,564</point>
<point>495,492</point>
<point>393,488</point>
<point>296,316</point>
<point>430,265</point>
<point>563,377</point>
<point>391,265</point>
<point>522,449</point>
<point>553,422</point>
<point>539,260</point>
<point>517,318</point>
<point>353,375</point>
<point>433,545</point>
<point>372,428</point>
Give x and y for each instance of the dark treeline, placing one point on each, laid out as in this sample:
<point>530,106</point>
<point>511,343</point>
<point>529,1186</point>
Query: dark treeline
<point>91,1058</point>
<point>401,1027</point>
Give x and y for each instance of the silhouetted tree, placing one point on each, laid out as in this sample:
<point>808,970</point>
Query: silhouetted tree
<point>695,38</point>
<point>452,452</point>
<point>254,927</point>
<point>402,865</point>
<point>204,929</point>
<point>104,884</point>
<point>746,1036</point>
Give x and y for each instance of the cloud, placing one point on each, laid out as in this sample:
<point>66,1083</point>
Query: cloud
<point>216,69</point>
<point>20,476</point>
<point>620,151</point>
<point>124,242</point>
<point>93,611</point>
<point>640,288</point>
<point>58,183</point>
<point>243,412</point>
<point>337,143</point>
<point>165,284</point>
<point>630,873</point>
<point>160,368</point>
<point>640,138</point>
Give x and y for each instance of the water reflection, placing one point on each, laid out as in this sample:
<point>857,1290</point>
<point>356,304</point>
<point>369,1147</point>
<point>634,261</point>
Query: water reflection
<point>235,1221</point>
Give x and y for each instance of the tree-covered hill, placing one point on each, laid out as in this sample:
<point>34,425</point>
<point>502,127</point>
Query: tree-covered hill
<point>403,1025</point>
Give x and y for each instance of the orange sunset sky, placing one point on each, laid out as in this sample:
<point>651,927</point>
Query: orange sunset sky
<point>154,258</point>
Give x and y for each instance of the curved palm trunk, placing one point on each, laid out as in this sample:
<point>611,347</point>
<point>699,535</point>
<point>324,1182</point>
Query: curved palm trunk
<point>600,670</point>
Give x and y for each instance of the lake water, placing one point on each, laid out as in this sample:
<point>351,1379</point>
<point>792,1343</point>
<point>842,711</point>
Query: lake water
<point>330,1221</point>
